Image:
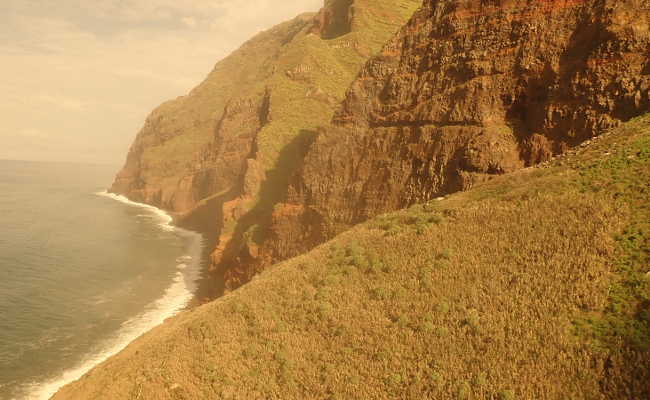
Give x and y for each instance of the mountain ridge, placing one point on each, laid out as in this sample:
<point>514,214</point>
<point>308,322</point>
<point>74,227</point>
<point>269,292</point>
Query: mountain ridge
<point>219,157</point>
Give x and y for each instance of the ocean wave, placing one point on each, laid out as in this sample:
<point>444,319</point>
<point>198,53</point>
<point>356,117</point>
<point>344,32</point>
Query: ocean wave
<point>165,219</point>
<point>184,259</point>
<point>176,298</point>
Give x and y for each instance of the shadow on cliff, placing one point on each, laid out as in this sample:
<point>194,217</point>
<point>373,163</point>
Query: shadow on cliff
<point>203,219</point>
<point>556,102</point>
<point>253,227</point>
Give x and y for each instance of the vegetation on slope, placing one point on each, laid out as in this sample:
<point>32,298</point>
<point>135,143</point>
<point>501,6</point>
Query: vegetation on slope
<point>532,286</point>
<point>623,176</point>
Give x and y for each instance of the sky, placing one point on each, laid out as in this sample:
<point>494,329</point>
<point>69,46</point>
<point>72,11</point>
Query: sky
<point>79,77</point>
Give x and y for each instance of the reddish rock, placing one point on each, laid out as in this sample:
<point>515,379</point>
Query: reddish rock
<point>467,90</point>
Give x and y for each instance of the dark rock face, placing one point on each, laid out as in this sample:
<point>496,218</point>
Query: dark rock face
<point>335,19</point>
<point>467,90</point>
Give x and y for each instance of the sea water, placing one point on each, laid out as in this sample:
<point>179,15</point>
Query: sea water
<point>82,273</point>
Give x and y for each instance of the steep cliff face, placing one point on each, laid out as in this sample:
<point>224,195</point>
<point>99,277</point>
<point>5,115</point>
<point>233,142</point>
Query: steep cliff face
<point>465,91</point>
<point>220,157</point>
<point>195,146</point>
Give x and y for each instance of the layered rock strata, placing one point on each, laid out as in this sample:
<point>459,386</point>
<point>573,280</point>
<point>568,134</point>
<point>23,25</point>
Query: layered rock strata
<point>465,91</point>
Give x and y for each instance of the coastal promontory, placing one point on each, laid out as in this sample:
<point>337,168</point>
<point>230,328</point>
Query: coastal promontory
<point>444,199</point>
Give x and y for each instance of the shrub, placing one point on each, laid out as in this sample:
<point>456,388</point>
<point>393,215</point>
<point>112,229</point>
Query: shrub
<point>464,391</point>
<point>441,331</point>
<point>394,380</point>
<point>403,321</point>
<point>479,380</point>
<point>380,293</point>
<point>436,379</point>
<point>427,327</point>
<point>444,255</point>
<point>443,308</point>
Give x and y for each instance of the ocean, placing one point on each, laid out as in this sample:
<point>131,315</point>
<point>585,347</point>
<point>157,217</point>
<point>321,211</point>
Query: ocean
<point>82,273</point>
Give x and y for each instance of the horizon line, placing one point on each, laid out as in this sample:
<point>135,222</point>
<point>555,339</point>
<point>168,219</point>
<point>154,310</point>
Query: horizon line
<point>97,163</point>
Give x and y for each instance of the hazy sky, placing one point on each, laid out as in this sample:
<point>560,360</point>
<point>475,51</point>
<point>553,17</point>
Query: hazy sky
<point>80,76</point>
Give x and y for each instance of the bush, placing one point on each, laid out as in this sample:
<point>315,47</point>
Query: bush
<point>479,380</point>
<point>445,255</point>
<point>380,293</point>
<point>427,324</point>
<point>403,321</point>
<point>464,391</point>
<point>441,331</point>
<point>436,379</point>
<point>394,380</point>
<point>427,327</point>
<point>472,320</point>
<point>443,308</point>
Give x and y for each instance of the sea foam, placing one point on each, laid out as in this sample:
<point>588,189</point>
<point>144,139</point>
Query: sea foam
<point>165,219</point>
<point>176,298</point>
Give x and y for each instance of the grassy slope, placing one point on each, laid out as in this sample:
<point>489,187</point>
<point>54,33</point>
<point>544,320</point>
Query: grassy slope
<point>532,286</point>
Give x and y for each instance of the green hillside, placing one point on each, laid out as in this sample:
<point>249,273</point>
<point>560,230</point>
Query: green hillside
<point>535,285</point>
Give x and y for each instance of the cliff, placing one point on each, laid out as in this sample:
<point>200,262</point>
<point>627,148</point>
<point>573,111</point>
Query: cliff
<point>531,286</point>
<point>521,272</point>
<point>220,157</point>
<point>467,90</point>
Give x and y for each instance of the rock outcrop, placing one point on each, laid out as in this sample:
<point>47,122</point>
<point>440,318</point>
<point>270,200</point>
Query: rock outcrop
<point>465,91</point>
<point>220,157</point>
<point>335,19</point>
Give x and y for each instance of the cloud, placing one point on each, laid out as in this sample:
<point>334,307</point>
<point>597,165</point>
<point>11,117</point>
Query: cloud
<point>86,74</point>
<point>62,102</point>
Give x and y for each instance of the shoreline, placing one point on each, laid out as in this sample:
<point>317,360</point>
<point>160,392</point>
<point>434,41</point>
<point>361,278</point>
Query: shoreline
<point>183,294</point>
<point>207,287</point>
<point>201,220</point>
